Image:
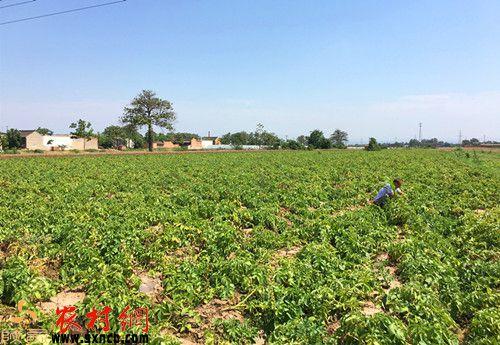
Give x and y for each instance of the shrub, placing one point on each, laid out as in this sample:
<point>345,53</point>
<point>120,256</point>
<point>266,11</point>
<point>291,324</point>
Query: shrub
<point>11,151</point>
<point>35,151</point>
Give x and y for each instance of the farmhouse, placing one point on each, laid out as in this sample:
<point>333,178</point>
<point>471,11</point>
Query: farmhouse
<point>32,140</point>
<point>193,144</point>
<point>210,141</point>
<point>165,144</point>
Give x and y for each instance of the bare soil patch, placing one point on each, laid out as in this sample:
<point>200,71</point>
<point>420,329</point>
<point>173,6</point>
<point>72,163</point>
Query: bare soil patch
<point>332,327</point>
<point>283,213</point>
<point>462,334</point>
<point>394,281</point>
<point>63,299</point>
<point>260,338</point>
<point>382,257</point>
<point>46,267</point>
<point>287,252</point>
<point>4,251</point>
<point>247,232</point>
<point>208,313</point>
<point>220,309</point>
<point>400,235</point>
<point>351,208</point>
<point>150,286</point>
<point>284,253</point>
<point>369,309</point>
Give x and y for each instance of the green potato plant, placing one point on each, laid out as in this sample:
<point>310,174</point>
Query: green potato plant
<point>280,246</point>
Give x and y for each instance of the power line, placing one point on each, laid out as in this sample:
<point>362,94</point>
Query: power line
<point>17,4</point>
<point>62,12</point>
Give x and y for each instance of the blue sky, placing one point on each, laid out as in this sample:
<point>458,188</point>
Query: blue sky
<point>373,68</point>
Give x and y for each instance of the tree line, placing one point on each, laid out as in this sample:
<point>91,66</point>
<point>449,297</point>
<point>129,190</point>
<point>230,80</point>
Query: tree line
<point>148,111</point>
<point>315,140</point>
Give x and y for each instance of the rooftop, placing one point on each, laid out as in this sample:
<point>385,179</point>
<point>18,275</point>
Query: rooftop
<point>26,132</point>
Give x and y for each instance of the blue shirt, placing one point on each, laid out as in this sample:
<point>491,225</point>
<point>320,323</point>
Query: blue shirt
<point>383,193</point>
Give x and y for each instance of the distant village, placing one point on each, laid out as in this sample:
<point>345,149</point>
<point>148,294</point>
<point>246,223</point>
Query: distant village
<point>125,138</point>
<point>33,140</point>
<point>113,138</point>
<point>149,111</point>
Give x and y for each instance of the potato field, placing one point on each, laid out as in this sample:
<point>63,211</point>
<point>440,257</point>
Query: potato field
<point>259,247</point>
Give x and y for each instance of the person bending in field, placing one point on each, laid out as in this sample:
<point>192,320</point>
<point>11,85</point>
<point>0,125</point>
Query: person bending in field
<point>386,192</point>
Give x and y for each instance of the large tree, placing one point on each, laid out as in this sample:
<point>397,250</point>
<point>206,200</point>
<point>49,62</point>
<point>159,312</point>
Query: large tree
<point>262,137</point>
<point>82,129</point>
<point>471,142</point>
<point>373,145</point>
<point>240,138</point>
<point>259,135</point>
<point>302,139</point>
<point>113,136</point>
<point>226,139</point>
<point>13,138</point>
<point>317,140</point>
<point>338,139</point>
<point>148,110</point>
<point>414,143</point>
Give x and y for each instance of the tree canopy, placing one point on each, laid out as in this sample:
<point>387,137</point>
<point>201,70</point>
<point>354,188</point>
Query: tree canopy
<point>44,131</point>
<point>471,142</point>
<point>13,139</point>
<point>317,140</point>
<point>373,145</point>
<point>260,137</point>
<point>82,129</point>
<point>177,137</point>
<point>338,139</point>
<point>146,109</point>
<point>113,136</point>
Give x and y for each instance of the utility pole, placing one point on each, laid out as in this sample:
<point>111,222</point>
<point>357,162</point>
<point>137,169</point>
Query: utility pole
<point>420,131</point>
<point>484,138</point>
<point>460,137</point>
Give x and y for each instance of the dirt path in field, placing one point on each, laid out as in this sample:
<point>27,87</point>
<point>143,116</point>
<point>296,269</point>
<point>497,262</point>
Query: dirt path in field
<point>207,313</point>
<point>383,262</point>
<point>394,283</point>
<point>284,213</point>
